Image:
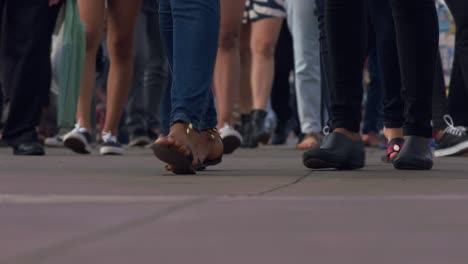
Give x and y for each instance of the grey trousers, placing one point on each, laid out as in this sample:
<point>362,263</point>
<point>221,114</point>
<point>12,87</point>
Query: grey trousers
<point>149,76</point>
<point>303,24</point>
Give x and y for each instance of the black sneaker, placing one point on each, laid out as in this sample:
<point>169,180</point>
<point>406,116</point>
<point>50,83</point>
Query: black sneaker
<point>29,149</point>
<point>139,140</point>
<point>453,142</point>
<point>259,133</point>
<point>337,151</point>
<point>246,129</point>
<point>78,140</point>
<point>280,136</point>
<point>110,145</point>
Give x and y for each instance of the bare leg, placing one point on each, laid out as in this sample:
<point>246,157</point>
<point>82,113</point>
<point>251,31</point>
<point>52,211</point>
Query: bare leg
<point>264,36</point>
<point>121,30</point>
<point>92,15</point>
<point>245,91</point>
<point>227,71</point>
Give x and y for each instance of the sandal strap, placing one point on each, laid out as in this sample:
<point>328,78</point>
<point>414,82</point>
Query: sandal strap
<point>394,146</point>
<point>213,132</point>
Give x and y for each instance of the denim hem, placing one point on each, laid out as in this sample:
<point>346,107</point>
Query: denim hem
<point>208,124</point>
<point>181,117</point>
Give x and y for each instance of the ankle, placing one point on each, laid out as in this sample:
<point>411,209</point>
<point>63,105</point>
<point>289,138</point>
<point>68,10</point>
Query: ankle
<point>392,133</point>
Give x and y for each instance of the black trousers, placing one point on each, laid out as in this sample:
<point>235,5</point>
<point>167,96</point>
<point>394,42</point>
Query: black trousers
<point>417,42</point>
<point>439,98</point>
<point>458,96</point>
<point>284,64</point>
<point>26,33</point>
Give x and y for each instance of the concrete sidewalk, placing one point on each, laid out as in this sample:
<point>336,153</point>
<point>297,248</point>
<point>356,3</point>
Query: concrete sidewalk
<point>259,206</point>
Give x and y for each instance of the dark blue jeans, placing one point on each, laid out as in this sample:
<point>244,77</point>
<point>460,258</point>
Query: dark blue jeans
<point>190,30</point>
<point>373,117</point>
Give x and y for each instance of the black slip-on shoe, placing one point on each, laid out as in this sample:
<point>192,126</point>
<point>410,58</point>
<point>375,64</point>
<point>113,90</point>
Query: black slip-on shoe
<point>415,155</point>
<point>337,151</point>
<point>29,149</point>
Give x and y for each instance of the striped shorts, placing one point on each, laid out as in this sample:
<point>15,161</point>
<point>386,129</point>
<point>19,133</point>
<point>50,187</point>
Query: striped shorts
<point>259,9</point>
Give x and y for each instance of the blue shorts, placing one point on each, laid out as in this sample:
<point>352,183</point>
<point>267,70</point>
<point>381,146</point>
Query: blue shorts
<point>259,9</point>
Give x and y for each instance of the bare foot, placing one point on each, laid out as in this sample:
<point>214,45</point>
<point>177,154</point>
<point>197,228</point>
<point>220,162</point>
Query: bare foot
<point>371,140</point>
<point>180,149</point>
<point>210,149</point>
<point>310,141</point>
<point>213,146</point>
<point>390,134</point>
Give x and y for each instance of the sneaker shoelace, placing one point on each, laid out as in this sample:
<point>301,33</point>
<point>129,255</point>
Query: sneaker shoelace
<point>452,129</point>
<point>79,129</point>
<point>226,127</point>
<point>108,137</point>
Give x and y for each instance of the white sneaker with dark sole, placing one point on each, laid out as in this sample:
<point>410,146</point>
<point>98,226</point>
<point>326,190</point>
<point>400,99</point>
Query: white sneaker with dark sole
<point>78,140</point>
<point>453,142</point>
<point>139,141</point>
<point>232,139</point>
<point>110,145</point>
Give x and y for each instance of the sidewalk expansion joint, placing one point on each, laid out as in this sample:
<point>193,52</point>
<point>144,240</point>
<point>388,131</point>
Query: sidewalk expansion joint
<point>281,187</point>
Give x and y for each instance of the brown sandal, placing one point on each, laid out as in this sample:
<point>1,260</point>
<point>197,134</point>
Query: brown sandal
<point>179,163</point>
<point>215,161</point>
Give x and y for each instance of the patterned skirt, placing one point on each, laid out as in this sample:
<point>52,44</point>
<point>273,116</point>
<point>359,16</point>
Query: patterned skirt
<point>259,9</point>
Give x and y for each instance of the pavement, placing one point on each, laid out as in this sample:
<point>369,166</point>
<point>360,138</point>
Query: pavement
<point>259,206</point>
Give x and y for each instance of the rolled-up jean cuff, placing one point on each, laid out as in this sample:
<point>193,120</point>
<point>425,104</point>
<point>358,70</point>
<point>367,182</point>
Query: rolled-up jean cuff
<point>208,124</point>
<point>184,118</point>
<point>418,131</point>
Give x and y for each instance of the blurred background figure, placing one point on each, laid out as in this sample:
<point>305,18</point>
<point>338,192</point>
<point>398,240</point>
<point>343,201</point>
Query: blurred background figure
<point>25,69</point>
<point>150,74</point>
<point>121,20</point>
<point>263,21</point>
<point>227,72</point>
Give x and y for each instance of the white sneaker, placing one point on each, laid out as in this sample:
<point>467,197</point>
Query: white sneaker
<point>232,139</point>
<point>54,142</point>
<point>110,145</point>
<point>78,140</point>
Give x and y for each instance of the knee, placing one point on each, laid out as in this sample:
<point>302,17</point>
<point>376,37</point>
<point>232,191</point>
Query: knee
<point>93,40</point>
<point>228,40</point>
<point>264,49</point>
<point>120,48</point>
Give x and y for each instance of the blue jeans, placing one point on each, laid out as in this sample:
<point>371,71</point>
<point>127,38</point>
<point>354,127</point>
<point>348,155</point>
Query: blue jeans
<point>303,24</point>
<point>190,31</point>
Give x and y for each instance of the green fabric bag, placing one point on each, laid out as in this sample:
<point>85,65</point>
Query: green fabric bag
<point>70,65</point>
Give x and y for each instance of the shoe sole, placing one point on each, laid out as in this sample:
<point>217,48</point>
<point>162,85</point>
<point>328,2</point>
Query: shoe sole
<point>454,150</point>
<point>142,142</point>
<point>402,164</point>
<point>231,143</point>
<point>263,138</point>
<point>77,145</point>
<point>111,151</point>
<point>181,164</point>
<point>321,164</point>
<point>31,153</point>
